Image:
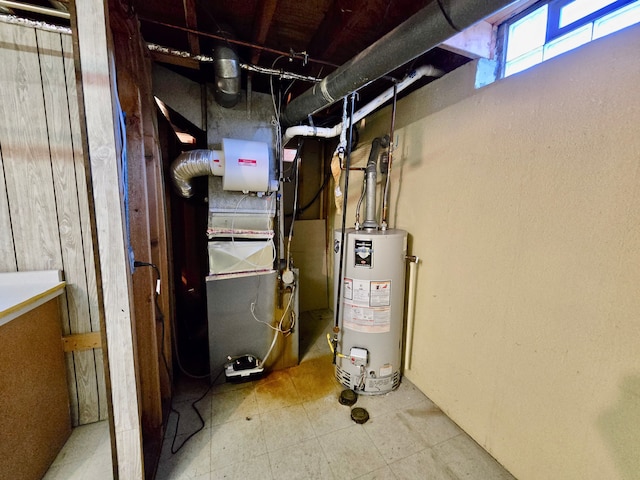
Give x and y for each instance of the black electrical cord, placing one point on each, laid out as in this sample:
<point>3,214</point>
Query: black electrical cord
<point>195,408</point>
<point>166,366</point>
<point>315,197</point>
<point>159,313</point>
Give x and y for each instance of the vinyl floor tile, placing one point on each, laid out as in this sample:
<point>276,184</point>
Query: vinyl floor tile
<point>351,453</point>
<point>421,465</point>
<point>306,461</point>
<point>286,427</point>
<point>290,425</point>
<point>467,460</point>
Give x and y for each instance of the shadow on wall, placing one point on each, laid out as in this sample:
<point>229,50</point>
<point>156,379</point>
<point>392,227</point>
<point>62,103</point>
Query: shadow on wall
<point>619,427</point>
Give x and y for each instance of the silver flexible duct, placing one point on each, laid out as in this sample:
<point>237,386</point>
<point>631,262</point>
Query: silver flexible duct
<point>194,163</point>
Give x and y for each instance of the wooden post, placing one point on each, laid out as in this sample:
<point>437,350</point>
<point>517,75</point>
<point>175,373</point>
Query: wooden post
<point>94,59</point>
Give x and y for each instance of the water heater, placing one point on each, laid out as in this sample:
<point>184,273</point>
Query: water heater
<point>371,308</point>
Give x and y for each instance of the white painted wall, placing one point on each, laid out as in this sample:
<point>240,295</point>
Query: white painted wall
<point>523,201</point>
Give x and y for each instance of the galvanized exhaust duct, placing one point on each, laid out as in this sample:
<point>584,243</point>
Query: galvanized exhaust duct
<point>226,65</point>
<point>425,30</point>
<point>371,172</point>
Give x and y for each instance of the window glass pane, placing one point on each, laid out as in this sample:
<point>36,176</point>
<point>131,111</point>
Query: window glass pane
<point>568,42</point>
<point>527,33</point>
<point>523,62</point>
<point>617,20</point>
<point>580,8</point>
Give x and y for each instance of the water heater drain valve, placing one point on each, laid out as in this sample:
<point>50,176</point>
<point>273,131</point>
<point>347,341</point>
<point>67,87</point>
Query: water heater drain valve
<point>358,356</point>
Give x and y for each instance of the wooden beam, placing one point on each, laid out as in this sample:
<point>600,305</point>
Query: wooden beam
<point>99,107</point>
<point>174,60</point>
<point>337,26</point>
<point>191,20</point>
<point>477,41</point>
<point>134,89</point>
<point>82,341</point>
<point>261,26</point>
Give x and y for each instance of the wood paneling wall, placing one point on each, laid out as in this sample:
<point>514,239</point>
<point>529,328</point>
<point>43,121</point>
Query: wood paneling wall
<point>44,214</point>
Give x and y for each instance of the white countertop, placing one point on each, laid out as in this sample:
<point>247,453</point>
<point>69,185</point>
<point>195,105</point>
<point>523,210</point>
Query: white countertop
<point>21,292</point>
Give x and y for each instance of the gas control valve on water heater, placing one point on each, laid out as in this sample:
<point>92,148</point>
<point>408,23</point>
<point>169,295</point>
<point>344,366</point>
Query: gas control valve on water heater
<point>370,264</point>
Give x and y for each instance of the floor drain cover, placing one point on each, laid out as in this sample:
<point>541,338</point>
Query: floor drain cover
<point>348,397</point>
<point>359,415</point>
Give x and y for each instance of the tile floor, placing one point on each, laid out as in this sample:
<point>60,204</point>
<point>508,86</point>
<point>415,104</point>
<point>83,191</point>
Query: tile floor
<point>290,425</point>
<point>86,455</point>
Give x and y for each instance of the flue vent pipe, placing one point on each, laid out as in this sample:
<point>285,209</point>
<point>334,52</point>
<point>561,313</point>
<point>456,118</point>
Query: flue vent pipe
<point>226,65</point>
<point>371,176</point>
<point>425,30</point>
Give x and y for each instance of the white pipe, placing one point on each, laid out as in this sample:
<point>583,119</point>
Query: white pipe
<point>412,77</point>
<point>309,131</point>
<point>411,306</point>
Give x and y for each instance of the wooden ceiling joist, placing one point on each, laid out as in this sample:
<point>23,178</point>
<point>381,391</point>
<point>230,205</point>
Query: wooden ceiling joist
<point>261,26</point>
<point>337,27</point>
<point>191,20</point>
<point>175,60</point>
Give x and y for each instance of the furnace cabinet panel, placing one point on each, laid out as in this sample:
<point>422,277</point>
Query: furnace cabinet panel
<point>233,330</point>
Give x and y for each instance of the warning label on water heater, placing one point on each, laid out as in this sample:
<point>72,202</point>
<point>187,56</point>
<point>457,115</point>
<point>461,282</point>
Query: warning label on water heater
<point>380,294</point>
<point>367,305</point>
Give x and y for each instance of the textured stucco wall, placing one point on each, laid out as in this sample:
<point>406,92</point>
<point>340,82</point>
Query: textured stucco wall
<point>523,201</point>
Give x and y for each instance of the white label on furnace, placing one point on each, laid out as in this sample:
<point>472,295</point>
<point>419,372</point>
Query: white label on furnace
<point>381,293</point>
<point>366,319</point>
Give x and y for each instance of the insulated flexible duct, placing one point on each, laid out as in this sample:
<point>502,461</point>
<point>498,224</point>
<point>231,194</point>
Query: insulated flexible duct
<point>194,163</point>
<point>425,30</point>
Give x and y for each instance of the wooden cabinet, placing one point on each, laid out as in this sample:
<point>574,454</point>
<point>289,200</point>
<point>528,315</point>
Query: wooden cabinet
<point>34,399</point>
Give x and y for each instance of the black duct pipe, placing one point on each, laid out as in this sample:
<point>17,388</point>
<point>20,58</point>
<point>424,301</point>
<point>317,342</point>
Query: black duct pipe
<point>425,30</point>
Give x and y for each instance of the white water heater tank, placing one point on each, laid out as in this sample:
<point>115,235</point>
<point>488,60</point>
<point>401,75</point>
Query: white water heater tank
<point>371,309</point>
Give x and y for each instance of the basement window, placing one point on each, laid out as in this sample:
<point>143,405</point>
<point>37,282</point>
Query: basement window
<point>548,29</point>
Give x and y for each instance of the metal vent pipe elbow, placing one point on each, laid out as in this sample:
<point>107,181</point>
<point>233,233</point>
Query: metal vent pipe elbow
<point>371,172</point>
<point>226,67</point>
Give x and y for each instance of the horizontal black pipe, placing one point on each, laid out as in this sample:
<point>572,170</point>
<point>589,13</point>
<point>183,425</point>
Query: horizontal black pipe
<point>428,28</point>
